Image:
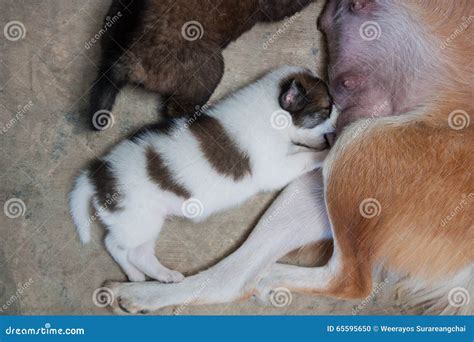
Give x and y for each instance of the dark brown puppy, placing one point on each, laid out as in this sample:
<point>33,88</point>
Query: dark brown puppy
<point>174,47</point>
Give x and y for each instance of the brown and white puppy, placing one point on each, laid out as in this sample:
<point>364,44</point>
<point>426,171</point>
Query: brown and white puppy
<point>174,47</point>
<point>258,139</point>
<point>397,187</point>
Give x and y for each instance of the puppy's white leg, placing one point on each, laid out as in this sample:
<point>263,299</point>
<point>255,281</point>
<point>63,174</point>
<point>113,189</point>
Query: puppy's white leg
<point>143,257</point>
<point>120,256</point>
<point>295,219</point>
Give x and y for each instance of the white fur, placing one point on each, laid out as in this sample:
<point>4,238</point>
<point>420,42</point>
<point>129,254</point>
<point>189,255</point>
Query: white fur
<point>246,116</point>
<point>297,218</point>
<point>80,201</point>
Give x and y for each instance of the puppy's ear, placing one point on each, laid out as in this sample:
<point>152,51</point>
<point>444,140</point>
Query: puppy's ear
<point>293,97</point>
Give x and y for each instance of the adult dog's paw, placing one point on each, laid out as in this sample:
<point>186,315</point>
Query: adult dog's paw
<point>128,298</point>
<point>278,297</point>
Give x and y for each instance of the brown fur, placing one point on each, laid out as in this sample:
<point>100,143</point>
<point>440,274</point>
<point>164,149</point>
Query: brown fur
<point>105,184</point>
<point>148,47</point>
<point>418,169</point>
<point>159,173</point>
<point>219,149</point>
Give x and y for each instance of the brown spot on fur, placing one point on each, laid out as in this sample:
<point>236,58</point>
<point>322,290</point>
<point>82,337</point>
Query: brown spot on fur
<point>105,184</point>
<point>219,149</point>
<point>159,173</point>
<point>314,103</point>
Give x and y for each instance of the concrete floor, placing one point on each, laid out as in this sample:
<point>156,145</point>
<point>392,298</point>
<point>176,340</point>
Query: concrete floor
<point>44,83</point>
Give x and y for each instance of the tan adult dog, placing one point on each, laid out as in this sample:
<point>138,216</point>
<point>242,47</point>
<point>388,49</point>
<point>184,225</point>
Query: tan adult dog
<point>390,191</point>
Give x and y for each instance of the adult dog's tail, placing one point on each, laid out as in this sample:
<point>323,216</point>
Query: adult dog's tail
<point>79,203</point>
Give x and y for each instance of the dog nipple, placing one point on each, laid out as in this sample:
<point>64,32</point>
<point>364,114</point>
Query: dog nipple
<point>357,5</point>
<point>350,83</point>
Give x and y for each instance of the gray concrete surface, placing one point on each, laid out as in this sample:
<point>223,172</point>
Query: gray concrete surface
<point>44,82</point>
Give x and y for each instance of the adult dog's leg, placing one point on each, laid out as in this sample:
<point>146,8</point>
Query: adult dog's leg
<point>295,219</point>
<point>382,217</point>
